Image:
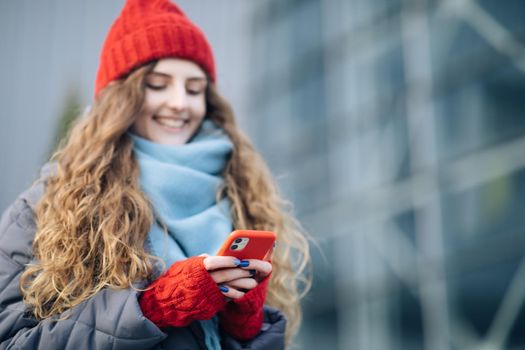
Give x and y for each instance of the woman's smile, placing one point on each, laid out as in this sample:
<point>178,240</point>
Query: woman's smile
<point>175,102</point>
<point>171,123</point>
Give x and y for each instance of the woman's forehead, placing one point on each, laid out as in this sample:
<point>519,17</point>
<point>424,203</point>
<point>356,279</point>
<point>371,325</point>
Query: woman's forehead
<point>177,67</point>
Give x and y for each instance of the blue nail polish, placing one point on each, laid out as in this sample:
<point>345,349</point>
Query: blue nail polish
<point>253,272</point>
<point>236,262</point>
<point>224,289</point>
<point>244,263</point>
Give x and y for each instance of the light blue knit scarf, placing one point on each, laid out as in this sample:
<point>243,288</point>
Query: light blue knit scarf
<point>181,183</point>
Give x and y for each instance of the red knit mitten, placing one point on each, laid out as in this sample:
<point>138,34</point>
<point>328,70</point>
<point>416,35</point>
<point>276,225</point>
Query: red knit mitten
<point>185,293</point>
<point>242,318</point>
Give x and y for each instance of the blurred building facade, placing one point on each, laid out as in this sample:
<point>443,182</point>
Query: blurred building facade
<point>398,130</point>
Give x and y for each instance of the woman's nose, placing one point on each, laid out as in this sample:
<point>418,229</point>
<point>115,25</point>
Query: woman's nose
<point>177,98</point>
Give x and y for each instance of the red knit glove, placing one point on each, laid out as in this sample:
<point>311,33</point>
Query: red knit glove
<point>242,318</point>
<point>185,293</point>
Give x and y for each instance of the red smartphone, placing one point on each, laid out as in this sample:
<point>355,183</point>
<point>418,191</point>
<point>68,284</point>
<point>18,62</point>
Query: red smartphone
<point>248,244</point>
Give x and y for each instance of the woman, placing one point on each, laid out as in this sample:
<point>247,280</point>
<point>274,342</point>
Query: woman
<point>113,247</point>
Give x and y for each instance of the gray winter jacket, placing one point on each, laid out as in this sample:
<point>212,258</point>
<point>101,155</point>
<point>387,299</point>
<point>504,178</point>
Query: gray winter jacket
<point>112,319</point>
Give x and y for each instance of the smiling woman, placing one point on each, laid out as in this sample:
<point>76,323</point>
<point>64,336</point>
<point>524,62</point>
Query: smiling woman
<point>114,247</point>
<point>175,102</point>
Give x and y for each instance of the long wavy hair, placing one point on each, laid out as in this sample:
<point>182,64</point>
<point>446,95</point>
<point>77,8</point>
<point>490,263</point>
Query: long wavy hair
<point>93,219</point>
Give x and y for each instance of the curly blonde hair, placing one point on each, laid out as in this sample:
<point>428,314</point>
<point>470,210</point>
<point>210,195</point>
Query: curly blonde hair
<point>93,219</point>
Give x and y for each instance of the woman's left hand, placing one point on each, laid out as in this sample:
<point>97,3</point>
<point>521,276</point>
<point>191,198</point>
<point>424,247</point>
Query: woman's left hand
<point>242,318</point>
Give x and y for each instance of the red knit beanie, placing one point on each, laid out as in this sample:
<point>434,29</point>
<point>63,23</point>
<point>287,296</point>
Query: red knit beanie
<point>148,30</point>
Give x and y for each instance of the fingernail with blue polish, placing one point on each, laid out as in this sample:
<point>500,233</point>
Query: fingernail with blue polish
<point>224,289</point>
<point>244,263</point>
<point>236,262</point>
<point>253,272</point>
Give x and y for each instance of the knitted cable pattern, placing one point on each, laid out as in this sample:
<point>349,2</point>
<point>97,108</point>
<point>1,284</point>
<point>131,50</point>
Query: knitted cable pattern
<point>185,293</point>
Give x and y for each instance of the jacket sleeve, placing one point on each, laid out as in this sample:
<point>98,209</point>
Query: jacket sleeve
<point>111,319</point>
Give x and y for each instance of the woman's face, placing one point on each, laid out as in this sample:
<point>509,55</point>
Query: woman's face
<point>175,102</point>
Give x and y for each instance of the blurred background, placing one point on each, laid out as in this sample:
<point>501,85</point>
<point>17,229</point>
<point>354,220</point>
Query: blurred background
<point>396,128</point>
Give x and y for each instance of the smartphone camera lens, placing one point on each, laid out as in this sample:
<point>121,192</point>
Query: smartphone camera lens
<point>235,246</point>
<point>238,240</point>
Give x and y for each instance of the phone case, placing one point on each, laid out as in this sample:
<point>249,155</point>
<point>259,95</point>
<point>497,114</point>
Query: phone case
<point>248,244</point>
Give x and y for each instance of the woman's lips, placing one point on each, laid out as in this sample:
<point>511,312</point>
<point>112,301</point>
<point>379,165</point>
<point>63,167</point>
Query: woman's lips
<point>173,123</point>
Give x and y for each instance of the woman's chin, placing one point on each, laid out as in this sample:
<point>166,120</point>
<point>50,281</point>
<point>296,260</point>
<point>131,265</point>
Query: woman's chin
<point>172,141</point>
<point>170,136</point>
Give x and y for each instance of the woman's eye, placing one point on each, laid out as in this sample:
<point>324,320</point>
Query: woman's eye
<point>155,87</point>
<point>194,92</point>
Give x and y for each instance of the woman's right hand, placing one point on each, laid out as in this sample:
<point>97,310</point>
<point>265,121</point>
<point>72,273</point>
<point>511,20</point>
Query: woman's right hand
<point>235,277</point>
<point>184,293</point>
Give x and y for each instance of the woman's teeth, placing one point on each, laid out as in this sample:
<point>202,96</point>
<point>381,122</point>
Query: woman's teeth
<point>169,122</point>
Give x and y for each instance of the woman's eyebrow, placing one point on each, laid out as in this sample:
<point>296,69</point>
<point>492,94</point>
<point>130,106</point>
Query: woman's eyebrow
<point>159,73</point>
<point>197,79</point>
<point>166,75</point>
